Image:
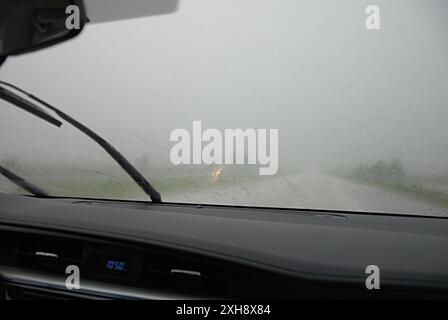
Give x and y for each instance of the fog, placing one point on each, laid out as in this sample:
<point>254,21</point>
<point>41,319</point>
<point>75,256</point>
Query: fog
<point>340,95</point>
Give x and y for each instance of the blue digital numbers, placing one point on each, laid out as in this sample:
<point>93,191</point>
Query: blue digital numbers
<point>116,265</point>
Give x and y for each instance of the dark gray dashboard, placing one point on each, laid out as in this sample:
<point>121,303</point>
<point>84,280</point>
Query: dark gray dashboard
<point>302,245</point>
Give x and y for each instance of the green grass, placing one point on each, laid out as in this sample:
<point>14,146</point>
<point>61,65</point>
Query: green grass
<point>91,186</point>
<point>410,189</point>
<point>417,192</point>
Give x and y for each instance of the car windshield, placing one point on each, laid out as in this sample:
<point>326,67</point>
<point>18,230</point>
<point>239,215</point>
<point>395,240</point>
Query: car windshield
<point>334,105</point>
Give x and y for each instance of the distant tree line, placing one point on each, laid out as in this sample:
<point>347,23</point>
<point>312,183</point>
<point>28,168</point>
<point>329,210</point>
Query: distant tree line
<point>380,171</point>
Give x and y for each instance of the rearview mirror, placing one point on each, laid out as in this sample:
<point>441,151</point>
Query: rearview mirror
<point>114,10</point>
<point>29,25</point>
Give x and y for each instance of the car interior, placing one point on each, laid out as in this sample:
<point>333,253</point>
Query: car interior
<point>160,248</point>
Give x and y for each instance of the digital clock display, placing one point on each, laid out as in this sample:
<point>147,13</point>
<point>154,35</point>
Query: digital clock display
<point>116,265</point>
<point>111,264</point>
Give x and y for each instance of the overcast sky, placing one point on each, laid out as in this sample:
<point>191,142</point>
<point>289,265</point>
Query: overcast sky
<point>338,93</point>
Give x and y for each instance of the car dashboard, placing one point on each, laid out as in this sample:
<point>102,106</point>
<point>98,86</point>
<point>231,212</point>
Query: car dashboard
<point>140,250</point>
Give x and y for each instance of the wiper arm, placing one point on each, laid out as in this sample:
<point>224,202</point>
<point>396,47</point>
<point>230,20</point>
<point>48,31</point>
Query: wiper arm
<point>19,181</point>
<point>114,153</point>
<point>18,101</point>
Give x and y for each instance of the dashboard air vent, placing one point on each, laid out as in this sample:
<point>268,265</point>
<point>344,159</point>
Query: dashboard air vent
<point>48,254</point>
<point>184,274</point>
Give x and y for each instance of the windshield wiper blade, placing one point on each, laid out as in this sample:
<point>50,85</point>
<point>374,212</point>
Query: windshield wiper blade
<point>18,101</point>
<point>114,153</point>
<point>19,181</point>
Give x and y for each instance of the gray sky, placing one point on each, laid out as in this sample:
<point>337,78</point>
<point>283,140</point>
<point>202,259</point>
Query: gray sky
<point>338,93</point>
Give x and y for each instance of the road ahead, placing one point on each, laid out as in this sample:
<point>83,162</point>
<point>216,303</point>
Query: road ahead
<point>311,189</point>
